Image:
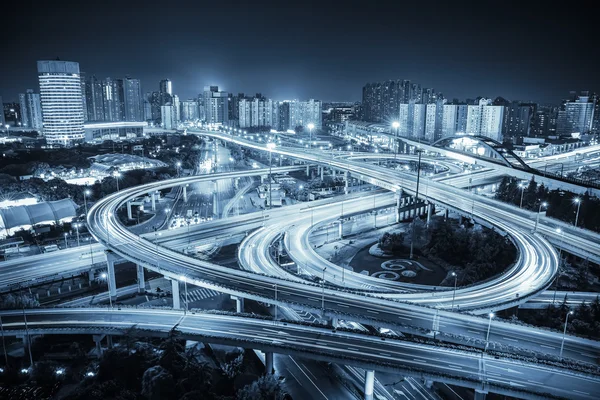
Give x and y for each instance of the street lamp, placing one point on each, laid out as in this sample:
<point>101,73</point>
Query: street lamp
<point>270,146</point>
<point>184,280</point>
<point>104,276</point>
<point>412,236</point>
<point>117,175</point>
<point>487,338</point>
<point>66,243</point>
<point>310,126</point>
<point>522,191</point>
<point>578,201</point>
<point>562,344</point>
<point>396,125</point>
<point>537,219</point>
<point>178,168</point>
<point>7,130</point>
<point>454,294</point>
<point>77,230</point>
<point>323,296</point>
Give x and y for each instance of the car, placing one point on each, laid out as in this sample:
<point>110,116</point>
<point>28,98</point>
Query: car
<point>203,219</point>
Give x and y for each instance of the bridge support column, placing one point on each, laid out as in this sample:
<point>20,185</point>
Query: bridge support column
<point>239,304</point>
<point>334,322</point>
<point>111,279</point>
<point>129,215</point>
<point>446,215</point>
<point>185,193</point>
<point>479,395</point>
<point>109,341</point>
<point>215,201</point>
<point>98,341</point>
<point>91,276</point>
<point>307,169</point>
<point>140,279</point>
<point>153,198</point>
<point>345,182</point>
<point>369,384</point>
<point>322,172</point>
<point>268,363</point>
<point>429,211</point>
<point>340,229</point>
<point>175,291</point>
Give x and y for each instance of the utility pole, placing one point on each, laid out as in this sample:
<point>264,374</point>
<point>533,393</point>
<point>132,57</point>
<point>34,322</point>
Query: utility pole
<point>412,236</point>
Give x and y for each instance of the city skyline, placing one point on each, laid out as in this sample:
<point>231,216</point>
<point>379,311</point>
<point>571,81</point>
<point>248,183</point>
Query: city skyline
<point>327,53</point>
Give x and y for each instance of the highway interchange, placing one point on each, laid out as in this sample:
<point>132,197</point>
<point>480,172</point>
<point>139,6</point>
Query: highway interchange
<point>379,305</point>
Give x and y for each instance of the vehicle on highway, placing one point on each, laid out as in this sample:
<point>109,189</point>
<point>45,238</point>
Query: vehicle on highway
<point>50,248</point>
<point>189,214</point>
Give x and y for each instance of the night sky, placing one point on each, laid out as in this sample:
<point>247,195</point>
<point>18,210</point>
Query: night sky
<point>321,50</point>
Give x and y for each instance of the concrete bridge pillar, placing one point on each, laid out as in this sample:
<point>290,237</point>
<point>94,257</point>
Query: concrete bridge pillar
<point>98,341</point>
<point>446,215</point>
<point>112,281</point>
<point>129,215</point>
<point>215,200</point>
<point>140,279</point>
<point>239,304</point>
<point>322,172</point>
<point>345,182</point>
<point>175,291</point>
<point>91,276</point>
<point>269,363</point>
<point>307,169</point>
<point>185,193</point>
<point>340,229</point>
<point>153,198</point>
<point>479,395</point>
<point>109,341</point>
<point>369,384</point>
<point>429,211</point>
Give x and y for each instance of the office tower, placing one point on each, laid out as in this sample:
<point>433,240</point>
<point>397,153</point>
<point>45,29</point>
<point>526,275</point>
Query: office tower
<point>2,120</point>
<point>62,103</point>
<point>216,105</point>
<point>165,86</point>
<point>82,78</point>
<point>168,116</point>
<point>189,110</point>
<point>177,107</point>
<point>31,110</point>
<point>148,106</point>
<point>283,117</point>
<point>576,116</point>
<point>133,100</point>
<point>485,119</point>
<point>94,100</point>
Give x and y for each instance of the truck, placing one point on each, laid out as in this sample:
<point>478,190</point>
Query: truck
<point>189,214</point>
<point>50,248</point>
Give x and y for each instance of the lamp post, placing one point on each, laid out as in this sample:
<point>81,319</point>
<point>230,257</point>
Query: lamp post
<point>396,126</point>
<point>562,343</point>
<point>184,280</point>
<point>537,219</point>
<point>270,146</point>
<point>77,230</point>
<point>178,168</point>
<point>522,191</point>
<point>310,126</point>
<point>275,302</point>
<point>117,175</point>
<point>104,275</point>
<point>454,293</point>
<point>578,201</point>
<point>86,193</point>
<point>412,235</point>
<point>323,295</point>
<point>7,130</point>
<point>66,242</point>
<point>487,337</point>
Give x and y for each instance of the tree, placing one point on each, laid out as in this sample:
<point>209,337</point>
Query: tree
<point>391,242</point>
<point>157,383</point>
<point>266,387</point>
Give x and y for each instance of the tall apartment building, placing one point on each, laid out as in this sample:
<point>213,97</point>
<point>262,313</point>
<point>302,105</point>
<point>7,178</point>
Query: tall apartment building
<point>189,110</point>
<point>93,99</point>
<point>576,116</point>
<point>303,113</point>
<point>133,100</point>
<point>166,86</point>
<point>485,119</point>
<point>168,116</point>
<point>216,105</point>
<point>31,110</point>
<point>62,101</point>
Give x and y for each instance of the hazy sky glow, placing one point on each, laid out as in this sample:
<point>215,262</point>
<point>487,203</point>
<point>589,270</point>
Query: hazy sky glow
<point>321,50</point>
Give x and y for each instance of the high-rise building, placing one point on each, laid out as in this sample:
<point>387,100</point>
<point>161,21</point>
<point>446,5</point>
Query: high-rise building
<point>177,106</point>
<point>168,116</point>
<point>258,112</point>
<point>596,118</point>
<point>216,105</point>
<point>2,120</point>
<point>82,79</point>
<point>381,101</point>
<point>133,100</point>
<point>485,119</point>
<point>283,117</point>
<point>62,103</point>
<point>113,100</point>
<point>166,86</point>
<point>189,110</point>
<point>303,113</point>
<point>517,118</point>
<point>31,110</point>
<point>576,116</point>
<point>93,99</point>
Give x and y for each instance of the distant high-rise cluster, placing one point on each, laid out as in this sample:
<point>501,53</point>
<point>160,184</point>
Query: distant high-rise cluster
<point>31,110</point>
<point>578,114</point>
<point>259,111</point>
<point>112,100</point>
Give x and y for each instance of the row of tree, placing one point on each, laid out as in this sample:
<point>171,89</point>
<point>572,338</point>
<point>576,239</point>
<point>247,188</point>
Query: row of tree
<point>561,203</point>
